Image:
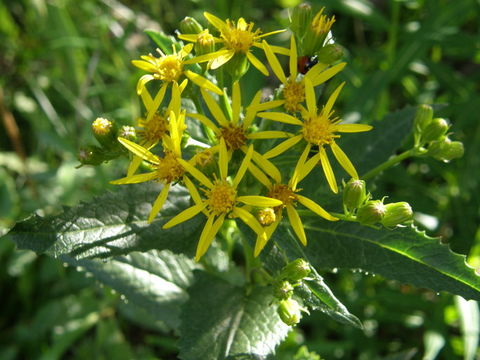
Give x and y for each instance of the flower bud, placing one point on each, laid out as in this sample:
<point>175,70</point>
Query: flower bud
<point>127,132</point>
<point>237,66</point>
<point>435,130</point>
<point>283,290</point>
<point>317,32</point>
<point>396,214</point>
<point>190,26</point>
<point>371,213</point>
<point>90,155</point>
<point>423,117</point>
<point>354,194</point>
<point>301,17</point>
<point>105,132</point>
<point>205,43</point>
<point>266,216</point>
<point>330,53</point>
<point>296,270</point>
<point>445,149</point>
<point>289,311</point>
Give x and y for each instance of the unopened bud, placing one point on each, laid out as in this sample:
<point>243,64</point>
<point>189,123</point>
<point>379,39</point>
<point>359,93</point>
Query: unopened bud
<point>330,53</point>
<point>371,213</point>
<point>205,43</point>
<point>266,216</point>
<point>423,118</point>
<point>435,130</point>
<point>127,132</point>
<point>190,26</point>
<point>289,311</point>
<point>445,149</point>
<point>237,66</point>
<point>317,32</point>
<point>397,214</point>
<point>90,155</point>
<point>300,19</point>
<point>104,131</point>
<point>283,290</point>
<point>354,194</point>
<point>296,270</point>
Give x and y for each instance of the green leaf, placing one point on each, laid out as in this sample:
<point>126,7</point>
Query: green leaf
<point>163,41</point>
<point>153,281</point>
<point>221,321</point>
<point>111,225</point>
<point>403,254</point>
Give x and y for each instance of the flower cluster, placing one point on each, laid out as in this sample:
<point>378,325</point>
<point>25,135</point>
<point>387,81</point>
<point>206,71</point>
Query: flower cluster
<point>235,151</point>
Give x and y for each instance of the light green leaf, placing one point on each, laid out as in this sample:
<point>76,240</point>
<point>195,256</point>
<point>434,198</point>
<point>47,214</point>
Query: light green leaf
<point>221,321</point>
<point>403,254</point>
<point>111,225</point>
<point>163,41</point>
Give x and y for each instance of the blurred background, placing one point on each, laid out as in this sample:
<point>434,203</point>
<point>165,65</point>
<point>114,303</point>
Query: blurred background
<point>65,62</point>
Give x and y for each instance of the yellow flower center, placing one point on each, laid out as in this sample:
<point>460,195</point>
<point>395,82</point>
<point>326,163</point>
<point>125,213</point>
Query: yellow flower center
<point>169,68</point>
<point>221,198</point>
<point>283,193</point>
<point>101,126</point>
<point>294,94</point>
<point>234,136</point>
<point>319,130</point>
<point>321,24</point>
<point>154,129</point>
<point>203,158</point>
<point>266,216</point>
<point>241,37</point>
<point>169,169</point>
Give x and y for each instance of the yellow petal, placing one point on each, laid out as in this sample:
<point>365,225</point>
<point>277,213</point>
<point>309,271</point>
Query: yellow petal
<point>202,82</point>
<point>223,159</point>
<point>215,21</point>
<point>274,63</point>
<point>183,85</point>
<point>268,135</point>
<point>185,215</point>
<point>271,33</point>
<point>268,105</point>
<point>353,128</point>
<point>320,78</point>
<point>260,201</point>
<point>249,219</point>
<point>251,112</point>
<point>221,59</point>
<point>236,102</point>
<point>317,209</point>
<point>327,170</point>
<point>142,81</point>
<point>243,167</point>
<point>139,151</point>
<point>134,165</point>
<point>310,96</point>
<point>158,204</point>
<point>275,49</point>
<point>206,122</point>
<point>267,166</point>
<point>282,147</point>
<point>281,117</point>
<point>308,167</point>
<point>209,237</point>
<point>262,240</point>
<point>156,102</point>
<point>331,100</point>
<point>187,49</point>
<point>144,65</point>
<point>135,179</point>
<point>296,224</point>
<point>214,109</point>
<point>208,57</point>
<point>205,239</point>
<point>344,160</point>
<point>259,175</point>
<point>257,63</point>
<point>188,37</point>
<point>192,190</point>
<point>197,174</point>
<point>146,98</point>
<point>293,58</point>
<point>295,178</point>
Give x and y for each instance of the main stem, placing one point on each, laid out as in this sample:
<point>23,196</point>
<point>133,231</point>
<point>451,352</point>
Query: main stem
<point>389,163</point>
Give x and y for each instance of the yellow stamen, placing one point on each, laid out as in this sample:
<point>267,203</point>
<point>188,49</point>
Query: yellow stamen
<point>101,126</point>
<point>283,193</point>
<point>266,216</point>
<point>221,198</point>
<point>153,129</point>
<point>235,136</point>
<point>294,95</point>
<point>319,130</point>
<point>321,24</point>
<point>239,37</point>
<point>169,169</point>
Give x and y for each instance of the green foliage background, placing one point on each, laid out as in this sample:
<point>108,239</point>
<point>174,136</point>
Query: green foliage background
<point>64,62</point>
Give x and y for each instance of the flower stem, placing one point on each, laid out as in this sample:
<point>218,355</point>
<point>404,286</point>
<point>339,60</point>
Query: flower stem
<point>390,162</point>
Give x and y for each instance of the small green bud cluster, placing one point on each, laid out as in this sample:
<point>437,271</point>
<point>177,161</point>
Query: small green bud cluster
<point>389,215</point>
<point>106,133</point>
<point>432,133</point>
<point>290,276</point>
<point>311,31</point>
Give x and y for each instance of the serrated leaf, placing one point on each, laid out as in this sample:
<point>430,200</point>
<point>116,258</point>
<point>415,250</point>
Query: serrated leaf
<point>403,254</point>
<point>111,225</point>
<point>221,321</point>
<point>154,281</point>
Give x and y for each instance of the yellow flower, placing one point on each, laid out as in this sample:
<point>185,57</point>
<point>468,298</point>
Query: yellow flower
<point>318,128</point>
<point>234,131</point>
<point>293,90</point>
<point>220,200</point>
<point>236,38</point>
<point>167,169</point>
<point>288,194</point>
<point>170,68</point>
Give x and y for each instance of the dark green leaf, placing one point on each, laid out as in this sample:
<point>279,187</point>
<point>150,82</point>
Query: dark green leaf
<point>163,41</point>
<point>221,321</point>
<point>111,225</point>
